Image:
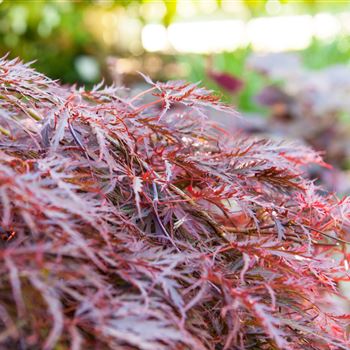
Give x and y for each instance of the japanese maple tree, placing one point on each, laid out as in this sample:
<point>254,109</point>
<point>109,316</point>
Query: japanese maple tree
<point>133,222</point>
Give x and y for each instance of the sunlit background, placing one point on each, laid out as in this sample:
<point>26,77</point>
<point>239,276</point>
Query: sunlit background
<point>75,41</point>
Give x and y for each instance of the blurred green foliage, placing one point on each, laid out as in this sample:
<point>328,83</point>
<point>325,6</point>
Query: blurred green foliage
<point>258,7</point>
<point>318,55</point>
<point>51,32</point>
<point>229,62</point>
<point>57,34</point>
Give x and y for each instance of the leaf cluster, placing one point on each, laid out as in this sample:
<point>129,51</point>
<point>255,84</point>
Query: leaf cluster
<point>133,222</point>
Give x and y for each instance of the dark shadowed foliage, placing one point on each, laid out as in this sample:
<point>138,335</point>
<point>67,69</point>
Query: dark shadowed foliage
<point>134,223</point>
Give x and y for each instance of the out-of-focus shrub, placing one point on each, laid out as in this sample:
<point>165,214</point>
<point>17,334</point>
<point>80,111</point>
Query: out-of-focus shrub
<point>311,105</point>
<point>55,34</point>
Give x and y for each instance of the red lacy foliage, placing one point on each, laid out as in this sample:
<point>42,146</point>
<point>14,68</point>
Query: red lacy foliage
<point>134,223</point>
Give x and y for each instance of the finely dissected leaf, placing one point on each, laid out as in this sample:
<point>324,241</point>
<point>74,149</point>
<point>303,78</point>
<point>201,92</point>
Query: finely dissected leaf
<point>137,187</point>
<point>136,223</point>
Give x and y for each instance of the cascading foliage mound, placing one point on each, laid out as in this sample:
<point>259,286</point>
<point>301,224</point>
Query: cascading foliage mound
<point>133,222</point>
